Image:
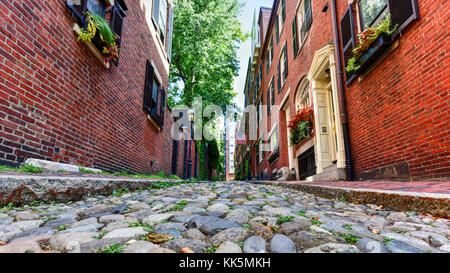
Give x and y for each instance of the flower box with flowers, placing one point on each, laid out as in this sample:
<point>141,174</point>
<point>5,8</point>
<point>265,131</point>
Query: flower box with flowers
<point>301,125</point>
<point>273,156</point>
<point>372,43</point>
<point>99,37</point>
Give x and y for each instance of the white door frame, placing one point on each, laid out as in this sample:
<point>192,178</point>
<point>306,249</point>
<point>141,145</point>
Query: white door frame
<point>323,59</point>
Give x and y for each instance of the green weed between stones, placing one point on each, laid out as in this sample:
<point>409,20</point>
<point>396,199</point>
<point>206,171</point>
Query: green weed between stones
<point>302,213</point>
<point>250,228</point>
<point>316,222</point>
<point>63,227</point>
<point>387,240</point>
<point>283,219</point>
<point>26,168</point>
<point>120,192</point>
<point>116,248</point>
<point>352,240</point>
<point>179,206</point>
<point>210,249</point>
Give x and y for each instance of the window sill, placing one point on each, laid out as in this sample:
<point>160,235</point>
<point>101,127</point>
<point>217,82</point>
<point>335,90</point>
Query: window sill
<point>92,48</point>
<point>152,121</point>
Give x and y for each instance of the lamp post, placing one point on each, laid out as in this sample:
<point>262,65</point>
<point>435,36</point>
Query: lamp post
<point>191,116</point>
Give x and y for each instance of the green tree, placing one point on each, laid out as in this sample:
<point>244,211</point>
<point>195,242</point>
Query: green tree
<point>204,64</point>
<point>206,35</point>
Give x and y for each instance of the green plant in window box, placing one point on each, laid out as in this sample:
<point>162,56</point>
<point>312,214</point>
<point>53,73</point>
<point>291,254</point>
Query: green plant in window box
<point>366,39</point>
<point>98,25</point>
<point>301,125</point>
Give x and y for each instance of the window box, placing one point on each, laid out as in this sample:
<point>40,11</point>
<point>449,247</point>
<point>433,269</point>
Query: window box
<point>90,17</point>
<point>273,156</point>
<point>93,48</point>
<point>376,49</point>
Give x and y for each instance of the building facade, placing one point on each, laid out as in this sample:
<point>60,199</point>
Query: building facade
<point>65,100</point>
<point>386,119</point>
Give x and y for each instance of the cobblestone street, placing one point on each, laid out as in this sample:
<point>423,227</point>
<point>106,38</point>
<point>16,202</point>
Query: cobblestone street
<point>218,217</point>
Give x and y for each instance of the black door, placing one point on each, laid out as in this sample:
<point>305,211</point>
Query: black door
<point>174,157</point>
<point>307,164</point>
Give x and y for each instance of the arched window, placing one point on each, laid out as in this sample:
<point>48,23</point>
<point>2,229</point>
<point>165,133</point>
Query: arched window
<point>302,98</point>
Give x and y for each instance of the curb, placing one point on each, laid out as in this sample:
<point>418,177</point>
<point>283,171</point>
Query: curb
<point>25,189</point>
<point>431,203</point>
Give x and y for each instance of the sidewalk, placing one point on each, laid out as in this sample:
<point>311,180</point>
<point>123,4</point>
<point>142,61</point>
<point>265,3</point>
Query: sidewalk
<point>431,197</point>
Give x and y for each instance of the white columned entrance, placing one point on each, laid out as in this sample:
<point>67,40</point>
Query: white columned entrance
<point>329,138</point>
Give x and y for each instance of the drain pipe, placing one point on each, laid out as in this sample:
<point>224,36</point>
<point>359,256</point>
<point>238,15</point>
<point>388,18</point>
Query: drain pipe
<point>349,166</point>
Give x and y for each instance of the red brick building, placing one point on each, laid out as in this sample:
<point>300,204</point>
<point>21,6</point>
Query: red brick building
<point>61,100</point>
<point>387,120</point>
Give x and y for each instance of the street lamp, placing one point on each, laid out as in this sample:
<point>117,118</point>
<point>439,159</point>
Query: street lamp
<point>191,116</point>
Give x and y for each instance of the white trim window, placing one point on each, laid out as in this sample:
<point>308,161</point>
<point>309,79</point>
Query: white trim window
<point>274,140</point>
<point>372,12</point>
<point>304,20</point>
<point>302,98</point>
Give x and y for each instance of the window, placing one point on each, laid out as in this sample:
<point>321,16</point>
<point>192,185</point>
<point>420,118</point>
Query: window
<point>372,12</point>
<point>162,20</point>
<point>269,55</point>
<point>97,7</point>
<point>154,96</point>
<point>259,79</point>
<point>272,90</point>
<point>282,68</point>
<point>268,101</point>
<point>302,98</point>
<point>274,140</point>
<point>159,16</point>
<point>261,150</point>
<point>279,20</point>
<point>304,21</point>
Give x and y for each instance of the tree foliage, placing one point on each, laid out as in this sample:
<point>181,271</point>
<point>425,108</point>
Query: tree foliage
<point>204,57</point>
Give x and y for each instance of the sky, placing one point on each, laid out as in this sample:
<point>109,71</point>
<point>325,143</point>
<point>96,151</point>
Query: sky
<point>244,52</point>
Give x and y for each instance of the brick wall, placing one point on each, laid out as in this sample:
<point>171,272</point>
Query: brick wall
<point>57,102</point>
<point>319,35</point>
<point>400,111</point>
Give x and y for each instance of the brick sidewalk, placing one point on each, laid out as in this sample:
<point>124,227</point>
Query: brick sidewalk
<point>432,197</point>
<point>421,187</point>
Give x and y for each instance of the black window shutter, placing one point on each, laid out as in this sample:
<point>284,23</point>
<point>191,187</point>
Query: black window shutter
<point>348,37</point>
<point>286,71</point>
<point>272,87</point>
<point>283,11</point>
<point>155,14</point>
<point>277,36</point>
<point>117,19</point>
<point>163,107</point>
<point>308,15</point>
<point>294,36</point>
<point>78,8</point>
<point>169,38</point>
<point>148,89</point>
<point>403,12</point>
<point>279,78</point>
<point>268,101</point>
<point>267,64</point>
<point>271,49</point>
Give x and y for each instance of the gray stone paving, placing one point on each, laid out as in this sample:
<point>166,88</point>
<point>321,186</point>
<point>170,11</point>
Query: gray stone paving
<point>218,217</point>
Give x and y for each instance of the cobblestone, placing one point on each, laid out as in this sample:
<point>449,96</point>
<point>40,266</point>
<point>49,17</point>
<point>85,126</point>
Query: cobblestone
<point>225,217</point>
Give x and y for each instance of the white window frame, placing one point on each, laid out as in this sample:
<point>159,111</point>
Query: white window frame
<point>301,96</point>
<point>272,134</point>
<point>360,18</point>
<point>300,20</point>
